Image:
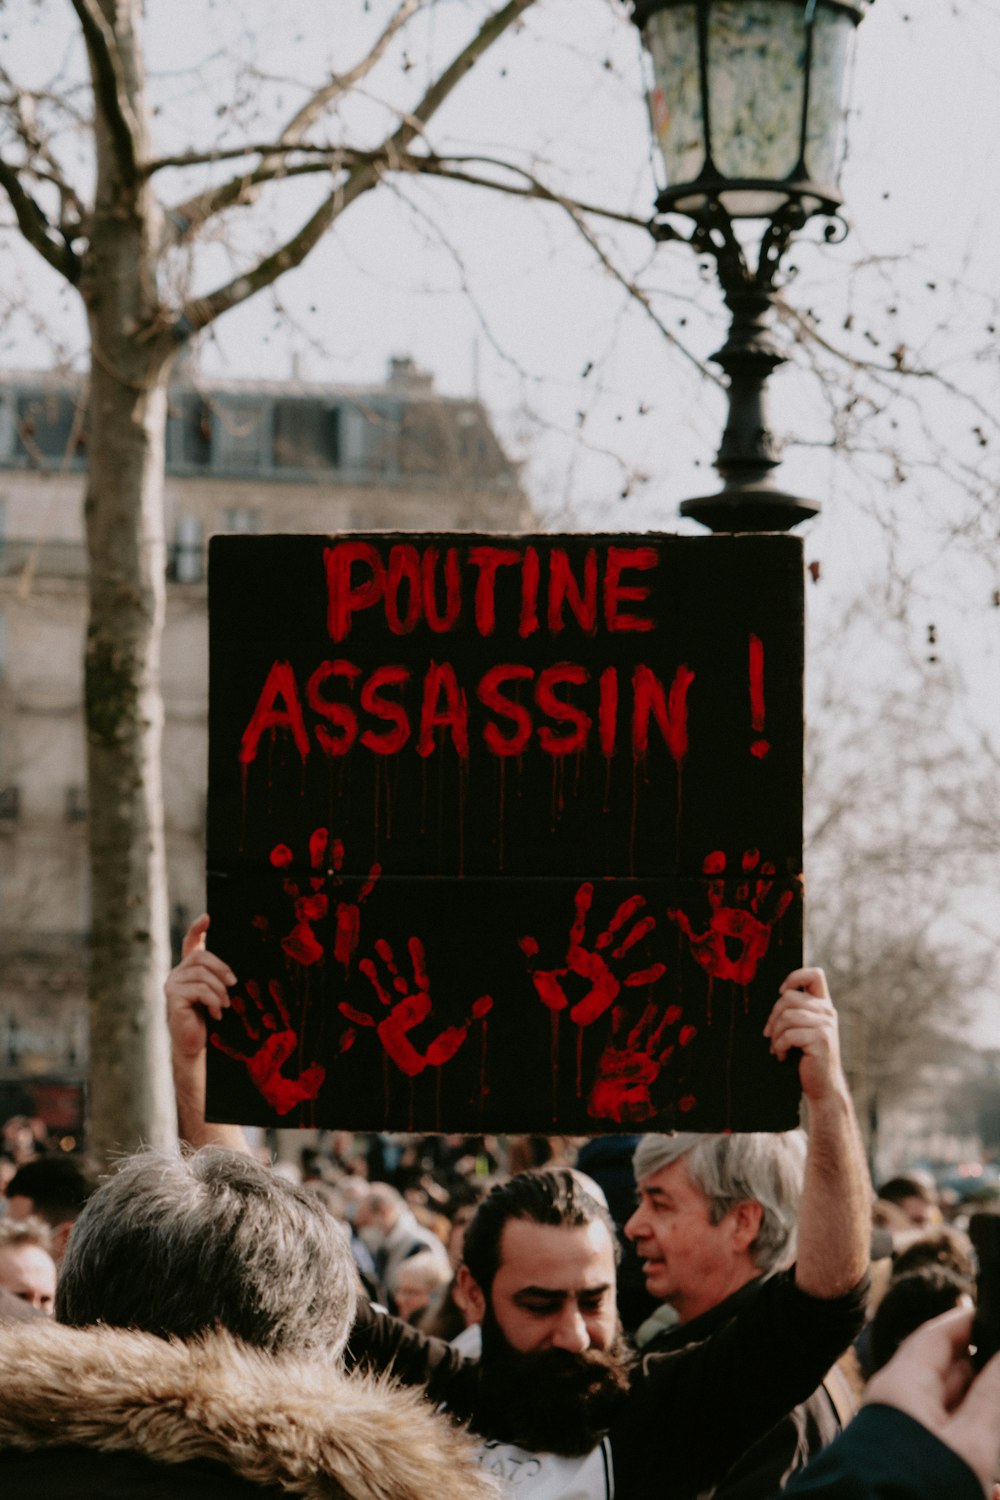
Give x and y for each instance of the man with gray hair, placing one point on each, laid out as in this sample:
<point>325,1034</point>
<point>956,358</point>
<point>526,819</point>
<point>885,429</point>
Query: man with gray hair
<point>716,1222</point>
<point>209,1303</point>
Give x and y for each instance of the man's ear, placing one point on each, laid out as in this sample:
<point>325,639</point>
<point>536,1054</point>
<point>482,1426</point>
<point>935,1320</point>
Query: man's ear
<point>60,1239</point>
<point>469,1295</point>
<point>747,1218</point>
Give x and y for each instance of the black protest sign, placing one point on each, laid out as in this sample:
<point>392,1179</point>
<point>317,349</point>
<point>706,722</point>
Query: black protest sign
<point>505,833</point>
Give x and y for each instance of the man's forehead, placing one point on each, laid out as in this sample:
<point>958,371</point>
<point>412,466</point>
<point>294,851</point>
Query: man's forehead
<point>27,1262</point>
<point>556,1255</point>
<point>673,1175</point>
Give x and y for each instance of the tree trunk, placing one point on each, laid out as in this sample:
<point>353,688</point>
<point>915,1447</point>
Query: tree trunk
<point>130,1095</point>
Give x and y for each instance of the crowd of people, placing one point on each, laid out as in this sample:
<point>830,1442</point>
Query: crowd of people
<point>659,1317</point>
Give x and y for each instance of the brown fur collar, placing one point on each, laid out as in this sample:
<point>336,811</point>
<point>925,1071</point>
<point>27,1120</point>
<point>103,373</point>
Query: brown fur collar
<point>306,1426</point>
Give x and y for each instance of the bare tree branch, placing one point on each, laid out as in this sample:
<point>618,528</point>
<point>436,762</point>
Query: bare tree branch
<point>185,219</point>
<point>453,168</point>
<point>183,222</point>
<point>491,29</point>
<point>110,84</point>
<point>40,161</point>
<point>576,211</point>
<point>229,153</point>
<point>329,159</point>
<point>807,327</point>
<point>341,82</point>
<point>201,311</point>
<point>36,228</point>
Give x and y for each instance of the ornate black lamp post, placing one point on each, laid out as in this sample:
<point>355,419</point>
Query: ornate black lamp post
<point>747,107</point>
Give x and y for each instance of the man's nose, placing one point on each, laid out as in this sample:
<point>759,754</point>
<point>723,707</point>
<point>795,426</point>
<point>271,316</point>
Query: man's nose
<point>633,1226</point>
<point>570,1332</point>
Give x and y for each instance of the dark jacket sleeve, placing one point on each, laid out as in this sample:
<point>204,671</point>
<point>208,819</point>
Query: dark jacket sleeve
<point>383,1344</point>
<point>695,1411</point>
<point>886,1455</point>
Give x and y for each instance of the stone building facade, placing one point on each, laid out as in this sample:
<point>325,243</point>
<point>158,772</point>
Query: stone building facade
<point>241,456</point>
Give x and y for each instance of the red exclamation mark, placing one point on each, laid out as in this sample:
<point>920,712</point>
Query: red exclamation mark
<point>760,747</point>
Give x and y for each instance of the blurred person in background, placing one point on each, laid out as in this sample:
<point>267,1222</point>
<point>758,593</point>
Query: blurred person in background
<point>450,1315</point>
<point>417,1281</point>
<point>333,1200</point>
<point>23,1138</point>
<point>944,1249</point>
<point>27,1270</point>
<point>8,1166</point>
<point>392,1233</point>
<point>916,1196</point>
<point>912,1299</point>
<point>53,1188</point>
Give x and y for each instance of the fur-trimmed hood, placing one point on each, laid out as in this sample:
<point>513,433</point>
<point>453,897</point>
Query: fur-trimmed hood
<point>273,1421</point>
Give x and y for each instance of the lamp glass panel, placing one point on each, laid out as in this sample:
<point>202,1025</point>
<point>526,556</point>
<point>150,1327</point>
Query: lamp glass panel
<point>756,67</point>
<point>671,38</point>
<point>832,40</point>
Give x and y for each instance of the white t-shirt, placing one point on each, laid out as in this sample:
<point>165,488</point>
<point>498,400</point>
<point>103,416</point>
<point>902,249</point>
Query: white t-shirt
<point>548,1476</point>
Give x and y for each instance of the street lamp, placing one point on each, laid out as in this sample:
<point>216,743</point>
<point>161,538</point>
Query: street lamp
<point>747,107</point>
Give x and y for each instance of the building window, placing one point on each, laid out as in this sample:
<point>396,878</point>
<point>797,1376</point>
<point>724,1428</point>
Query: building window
<point>370,437</point>
<point>189,431</point>
<point>427,444</point>
<point>305,435</point>
<point>241,434</point>
<point>187,554</point>
<point>49,428</point>
<point>241,518</point>
<point>8,425</point>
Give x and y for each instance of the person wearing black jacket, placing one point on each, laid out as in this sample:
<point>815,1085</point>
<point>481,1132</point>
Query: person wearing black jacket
<point>716,1218</point>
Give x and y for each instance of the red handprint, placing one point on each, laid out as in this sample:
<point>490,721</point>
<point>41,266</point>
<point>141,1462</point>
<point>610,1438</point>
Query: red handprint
<point>744,926</point>
<point>408,1004</point>
<point>326,857</point>
<point>594,964</point>
<point>632,1061</point>
<point>273,1028</point>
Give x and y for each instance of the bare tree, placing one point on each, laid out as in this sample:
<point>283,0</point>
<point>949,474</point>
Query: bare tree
<point>125,250</point>
<point>898,857</point>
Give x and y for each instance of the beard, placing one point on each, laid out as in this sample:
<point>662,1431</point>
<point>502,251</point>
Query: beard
<point>549,1400</point>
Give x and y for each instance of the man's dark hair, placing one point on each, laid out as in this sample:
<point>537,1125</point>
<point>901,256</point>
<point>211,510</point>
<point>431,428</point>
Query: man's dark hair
<point>553,1196</point>
<point>910,1302</point>
<point>897,1189</point>
<point>939,1247</point>
<point>180,1245</point>
<point>58,1187</point>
